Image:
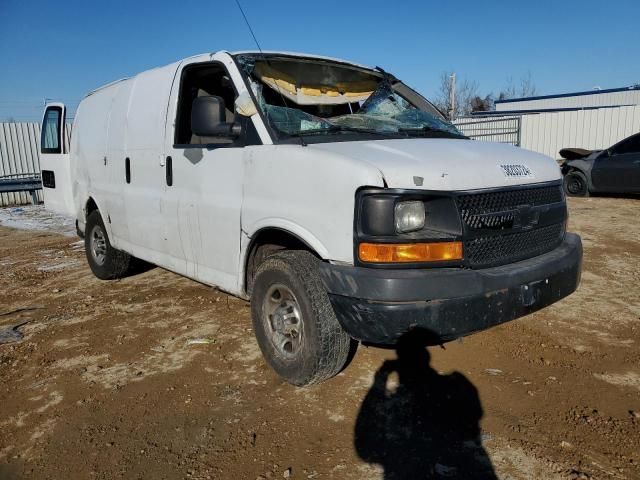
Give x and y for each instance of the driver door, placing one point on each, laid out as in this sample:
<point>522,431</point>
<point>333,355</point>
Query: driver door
<point>203,181</point>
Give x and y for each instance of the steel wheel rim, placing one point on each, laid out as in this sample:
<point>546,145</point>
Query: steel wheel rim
<point>98,245</point>
<point>282,320</point>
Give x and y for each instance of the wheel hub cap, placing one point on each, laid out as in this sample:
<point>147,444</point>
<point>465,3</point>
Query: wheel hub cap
<point>574,185</point>
<point>98,245</point>
<point>283,320</point>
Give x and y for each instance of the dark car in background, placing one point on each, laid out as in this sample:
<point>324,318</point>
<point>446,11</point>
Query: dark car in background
<point>614,170</point>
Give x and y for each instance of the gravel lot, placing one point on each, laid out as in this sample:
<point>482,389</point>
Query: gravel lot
<point>105,383</point>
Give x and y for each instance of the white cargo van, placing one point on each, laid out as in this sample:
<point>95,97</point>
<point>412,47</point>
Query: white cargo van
<point>331,194</point>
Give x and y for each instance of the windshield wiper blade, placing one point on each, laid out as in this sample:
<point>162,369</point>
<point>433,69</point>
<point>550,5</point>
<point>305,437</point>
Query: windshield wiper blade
<point>313,131</point>
<point>342,128</point>
<point>385,133</point>
<point>431,130</point>
<point>302,133</point>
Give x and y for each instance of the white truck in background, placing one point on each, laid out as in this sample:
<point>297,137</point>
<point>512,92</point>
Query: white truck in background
<point>332,195</point>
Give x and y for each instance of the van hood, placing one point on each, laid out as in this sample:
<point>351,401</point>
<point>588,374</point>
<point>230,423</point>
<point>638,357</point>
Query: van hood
<point>447,164</point>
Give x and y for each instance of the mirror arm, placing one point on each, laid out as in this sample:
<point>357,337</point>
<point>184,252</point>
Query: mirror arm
<point>226,130</point>
<point>236,129</point>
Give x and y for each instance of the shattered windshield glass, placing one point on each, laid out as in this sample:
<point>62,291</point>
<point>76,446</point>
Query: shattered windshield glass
<point>316,97</point>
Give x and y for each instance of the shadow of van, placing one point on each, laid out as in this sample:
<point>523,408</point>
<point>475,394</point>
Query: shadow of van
<point>418,423</point>
<point>137,267</point>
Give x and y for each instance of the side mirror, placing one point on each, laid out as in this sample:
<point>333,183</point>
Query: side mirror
<point>208,118</point>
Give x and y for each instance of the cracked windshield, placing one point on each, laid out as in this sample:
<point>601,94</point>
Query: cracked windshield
<point>311,97</point>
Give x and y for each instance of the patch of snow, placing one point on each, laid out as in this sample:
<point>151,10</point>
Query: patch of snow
<point>35,217</point>
<point>629,379</point>
<point>57,266</point>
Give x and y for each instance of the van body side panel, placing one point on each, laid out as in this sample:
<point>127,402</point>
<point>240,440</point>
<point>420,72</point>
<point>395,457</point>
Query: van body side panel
<point>78,171</point>
<point>89,150</point>
<point>115,205</point>
<point>146,211</point>
<point>309,194</point>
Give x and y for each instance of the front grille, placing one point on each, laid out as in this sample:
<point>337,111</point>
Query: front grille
<point>475,207</point>
<point>506,226</point>
<point>500,249</point>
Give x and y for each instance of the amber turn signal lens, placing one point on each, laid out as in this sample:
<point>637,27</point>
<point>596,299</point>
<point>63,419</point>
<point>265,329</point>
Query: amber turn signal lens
<point>409,252</point>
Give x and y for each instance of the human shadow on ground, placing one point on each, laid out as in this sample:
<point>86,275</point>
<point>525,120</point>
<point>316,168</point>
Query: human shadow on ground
<point>419,424</point>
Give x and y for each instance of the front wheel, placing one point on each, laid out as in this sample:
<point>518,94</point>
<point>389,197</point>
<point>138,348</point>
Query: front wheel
<point>294,322</point>
<point>575,184</point>
<point>105,261</point>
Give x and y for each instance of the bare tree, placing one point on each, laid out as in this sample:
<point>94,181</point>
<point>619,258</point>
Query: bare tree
<point>509,91</point>
<point>468,100</point>
<point>465,92</point>
<point>527,88</point>
<point>480,104</point>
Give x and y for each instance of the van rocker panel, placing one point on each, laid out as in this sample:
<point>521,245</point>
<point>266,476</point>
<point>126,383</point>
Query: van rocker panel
<point>378,306</point>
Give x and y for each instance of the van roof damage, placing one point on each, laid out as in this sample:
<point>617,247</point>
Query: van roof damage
<point>301,95</point>
<point>310,82</point>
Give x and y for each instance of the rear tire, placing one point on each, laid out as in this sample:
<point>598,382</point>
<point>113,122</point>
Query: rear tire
<point>105,261</point>
<point>575,184</point>
<point>294,322</point>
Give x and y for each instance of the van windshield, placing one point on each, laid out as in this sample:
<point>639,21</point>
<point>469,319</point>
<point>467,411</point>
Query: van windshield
<point>320,98</point>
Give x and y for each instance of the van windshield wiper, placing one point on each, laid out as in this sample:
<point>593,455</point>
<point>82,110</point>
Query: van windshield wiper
<point>431,131</point>
<point>343,128</point>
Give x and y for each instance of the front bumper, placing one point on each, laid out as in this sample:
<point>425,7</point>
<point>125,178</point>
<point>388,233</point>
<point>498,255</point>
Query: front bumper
<point>379,305</point>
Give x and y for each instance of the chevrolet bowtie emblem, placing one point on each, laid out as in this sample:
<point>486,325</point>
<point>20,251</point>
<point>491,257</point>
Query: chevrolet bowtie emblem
<point>526,218</point>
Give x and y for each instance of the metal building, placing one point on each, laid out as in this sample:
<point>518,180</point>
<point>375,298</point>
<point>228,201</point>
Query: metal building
<point>593,120</point>
<point>613,97</point>
<point>548,132</point>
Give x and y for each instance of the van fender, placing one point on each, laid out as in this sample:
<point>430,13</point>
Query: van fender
<point>247,241</point>
<point>287,226</point>
<point>82,219</point>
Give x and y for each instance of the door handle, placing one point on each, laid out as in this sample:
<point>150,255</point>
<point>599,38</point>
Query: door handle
<point>169,171</point>
<point>127,170</point>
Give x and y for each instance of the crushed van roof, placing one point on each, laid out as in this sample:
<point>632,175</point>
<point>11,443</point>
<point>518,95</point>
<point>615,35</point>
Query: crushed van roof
<point>242,52</point>
<point>300,54</point>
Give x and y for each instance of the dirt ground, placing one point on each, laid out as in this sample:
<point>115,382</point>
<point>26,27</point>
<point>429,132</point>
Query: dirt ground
<point>106,385</point>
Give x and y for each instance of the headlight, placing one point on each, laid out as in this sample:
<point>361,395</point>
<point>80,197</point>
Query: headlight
<point>409,216</point>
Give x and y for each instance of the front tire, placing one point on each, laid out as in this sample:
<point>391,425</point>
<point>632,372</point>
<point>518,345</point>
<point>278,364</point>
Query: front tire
<point>105,261</point>
<point>294,322</point>
<point>575,184</point>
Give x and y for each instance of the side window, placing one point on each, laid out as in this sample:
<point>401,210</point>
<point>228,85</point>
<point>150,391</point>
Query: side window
<point>51,128</point>
<point>199,81</point>
<point>630,145</point>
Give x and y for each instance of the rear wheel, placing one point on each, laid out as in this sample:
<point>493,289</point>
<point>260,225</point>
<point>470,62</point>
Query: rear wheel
<point>294,322</point>
<point>575,184</point>
<point>105,261</point>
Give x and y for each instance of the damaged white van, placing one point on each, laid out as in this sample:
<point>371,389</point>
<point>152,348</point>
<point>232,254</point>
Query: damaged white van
<point>332,195</point>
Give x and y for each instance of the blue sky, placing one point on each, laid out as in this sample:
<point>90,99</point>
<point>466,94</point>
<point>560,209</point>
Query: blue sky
<point>62,49</point>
